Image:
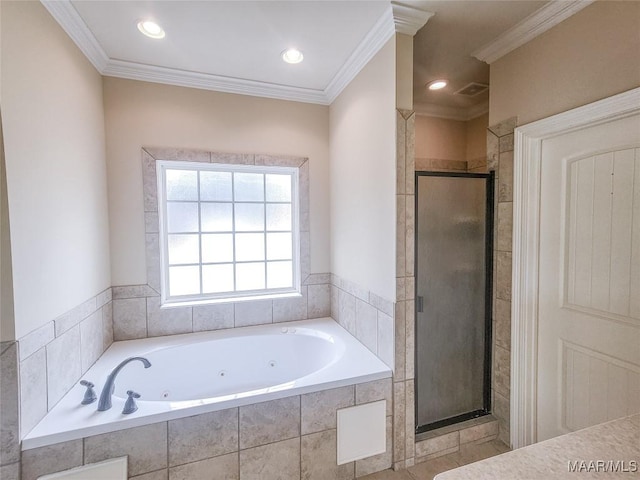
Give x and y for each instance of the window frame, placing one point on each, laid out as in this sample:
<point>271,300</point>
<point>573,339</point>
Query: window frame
<point>223,297</point>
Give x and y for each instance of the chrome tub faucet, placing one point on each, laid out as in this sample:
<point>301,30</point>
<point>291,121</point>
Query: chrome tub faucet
<point>107,391</point>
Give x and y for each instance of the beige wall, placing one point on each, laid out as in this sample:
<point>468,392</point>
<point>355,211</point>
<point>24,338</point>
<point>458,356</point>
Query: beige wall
<point>477,137</point>
<point>440,138</point>
<point>588,57</point>
<point>141,114</point>
<point>363,177</point>
<point>7,324</point>
<point>53,124</point>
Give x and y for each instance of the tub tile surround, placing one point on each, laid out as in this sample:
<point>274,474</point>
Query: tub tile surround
<point>10,418</point>
<point>53,357</point>
<point>500,159</point>
<point>289,438</point>
<point>365,315</point>
<point>136,308</point>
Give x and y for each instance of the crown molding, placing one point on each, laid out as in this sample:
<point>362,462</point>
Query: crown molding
<point>409,19</point>
<point>204,81</point>
<point>371,44</point>
<point>71,22</point>
<point>461,114</point>
<point>399,18</point>
<point>535,24</point>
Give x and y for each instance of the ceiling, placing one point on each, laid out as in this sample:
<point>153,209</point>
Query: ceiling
<point>235,46</point>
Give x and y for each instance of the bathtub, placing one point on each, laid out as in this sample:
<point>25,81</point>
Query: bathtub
<point>202,372</point>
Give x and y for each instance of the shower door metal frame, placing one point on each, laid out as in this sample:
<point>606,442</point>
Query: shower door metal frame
<point>489,212</point>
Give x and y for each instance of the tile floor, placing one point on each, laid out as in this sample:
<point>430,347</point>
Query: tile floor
<point>427,470</point>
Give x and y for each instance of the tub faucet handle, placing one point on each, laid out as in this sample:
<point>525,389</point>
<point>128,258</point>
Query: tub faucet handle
<point>130,405</point>
<point>90,394</point>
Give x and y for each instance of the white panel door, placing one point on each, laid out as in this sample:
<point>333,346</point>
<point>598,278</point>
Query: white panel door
<point>589,284</point>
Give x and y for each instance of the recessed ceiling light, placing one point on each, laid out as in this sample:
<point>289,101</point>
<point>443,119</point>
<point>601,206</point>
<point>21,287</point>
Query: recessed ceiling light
<point>437,84</point>
<point>292,55</point>
<point>150,29</point>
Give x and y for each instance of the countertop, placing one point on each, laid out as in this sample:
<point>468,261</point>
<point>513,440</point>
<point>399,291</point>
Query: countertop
<point>594,452</point>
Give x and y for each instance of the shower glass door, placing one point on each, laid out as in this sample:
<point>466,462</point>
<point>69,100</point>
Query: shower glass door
<point>453,297</point>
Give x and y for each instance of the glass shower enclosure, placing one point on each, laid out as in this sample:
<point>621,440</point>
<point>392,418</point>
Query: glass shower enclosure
<point>454,225</point>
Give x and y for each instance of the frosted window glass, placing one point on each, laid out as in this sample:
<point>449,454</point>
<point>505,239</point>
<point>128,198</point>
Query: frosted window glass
<point>279,217</point>
<point>183,249</point>
<point>279,246</point>
<point>215,186</point>
<point>249,247</point>
<point>248,187</point>
<point>278,187</point>
<point>217,248</point>
<point>249,217</point>
<point>216,217</point>
<point>217,278</point>
<point>182,185</point>
<point>184,280</point>
<point>279,275</point>
<point>249,276</point>
<point>182,217</point>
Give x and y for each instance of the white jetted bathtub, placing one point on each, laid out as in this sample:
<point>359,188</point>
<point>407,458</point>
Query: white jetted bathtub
<point>202,372</point>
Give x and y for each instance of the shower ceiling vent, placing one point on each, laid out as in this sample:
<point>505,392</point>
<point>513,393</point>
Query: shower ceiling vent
<point>472,89</point>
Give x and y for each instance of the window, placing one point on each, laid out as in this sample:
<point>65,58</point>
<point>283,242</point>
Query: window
<point>227,232</point>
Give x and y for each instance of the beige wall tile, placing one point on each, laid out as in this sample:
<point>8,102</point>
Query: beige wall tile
<point>505,227</point>
<point>505,181</point>
<point>269,422</point>
<point>63,365</point>
<point>319,301</point>
<point>34,341</point>
<point>253,313</point>
<point>290,309</point>
<point>502,373</point>
<point>107,325</point>
<point>319,409</point>
<point>9,397</point>
<point>377,390</point>
<point>279,460</point>
<point>318,458</point>
<point>167,321</point>
<point>203,436</point>
<point>91,339</point>
<point>33,390</point>
<point>483,432</point>
<point>385,339</point>
<point>367,325</point>
<point>213,317</point>
<point>502,323</point>
<point>399,421</point>
<point>145,446</point>
<point>129,318</point>
<point>10,472</point>
<point>50,459</point>
<point>157,475</point>
<point>347,314</point>
<point>224,467</point>
<point>503,275</point>
<point>438,444</point>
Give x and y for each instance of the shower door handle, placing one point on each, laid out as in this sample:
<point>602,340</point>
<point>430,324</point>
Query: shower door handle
<point>419,304</point>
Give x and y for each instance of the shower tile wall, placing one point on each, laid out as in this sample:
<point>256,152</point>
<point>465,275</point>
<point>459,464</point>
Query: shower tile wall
<point>291,438</point>
<point>403,379</point>
<point>500,159</point>
<point>54,357</point>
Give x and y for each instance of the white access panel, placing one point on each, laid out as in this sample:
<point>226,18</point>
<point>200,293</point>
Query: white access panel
<point>362,431</point>
<point>113,469</point>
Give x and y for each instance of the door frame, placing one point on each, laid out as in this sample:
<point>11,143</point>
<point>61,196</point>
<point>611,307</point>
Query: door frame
<point>526,248</point>
<point>490,180</point>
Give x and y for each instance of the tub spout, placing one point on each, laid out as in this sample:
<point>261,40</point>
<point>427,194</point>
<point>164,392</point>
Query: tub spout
<point>109,386</point>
